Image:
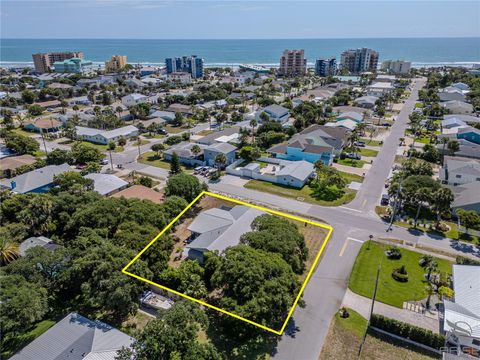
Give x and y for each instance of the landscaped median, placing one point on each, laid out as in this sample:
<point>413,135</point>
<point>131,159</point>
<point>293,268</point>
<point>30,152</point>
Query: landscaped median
<point>391,291</point>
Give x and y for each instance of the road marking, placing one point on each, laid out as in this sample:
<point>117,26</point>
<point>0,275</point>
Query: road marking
<point>347,208</point>
<point>364,202</point>
<point>345,244</point>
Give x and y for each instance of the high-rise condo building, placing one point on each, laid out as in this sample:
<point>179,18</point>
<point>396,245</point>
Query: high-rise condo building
<point>189,64</point>
<point>359,60</point>
<point>396,66</point>
<point>293,63</point>
<point>44,61</point>
<point>326,67</point>
<point>116,63</point>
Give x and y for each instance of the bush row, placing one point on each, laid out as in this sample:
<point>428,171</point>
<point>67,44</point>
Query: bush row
<point>414,333</point>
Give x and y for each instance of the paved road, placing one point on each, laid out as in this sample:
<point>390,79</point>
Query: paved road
<point>306,332</point>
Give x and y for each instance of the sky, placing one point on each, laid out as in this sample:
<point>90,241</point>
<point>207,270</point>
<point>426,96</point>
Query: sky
<point>225,19</point>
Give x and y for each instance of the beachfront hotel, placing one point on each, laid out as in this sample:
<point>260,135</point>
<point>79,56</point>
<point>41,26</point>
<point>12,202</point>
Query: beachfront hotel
<point>116,63</point>
<point>43,62</point>
<point>188,64</point>
<point>359,60</point>
<point>326,67</point>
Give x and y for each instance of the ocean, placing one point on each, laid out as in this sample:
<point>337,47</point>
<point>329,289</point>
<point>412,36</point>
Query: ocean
<point>421,52</point>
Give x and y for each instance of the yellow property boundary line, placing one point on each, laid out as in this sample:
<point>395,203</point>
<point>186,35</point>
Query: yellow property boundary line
<point>310,272</point>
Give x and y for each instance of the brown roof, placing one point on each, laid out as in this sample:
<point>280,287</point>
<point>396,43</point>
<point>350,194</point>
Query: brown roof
<point>140,192</point>
<point>46,123</point>
<point>278,149</point>
<point>14,162</point>
<point>47,104</point>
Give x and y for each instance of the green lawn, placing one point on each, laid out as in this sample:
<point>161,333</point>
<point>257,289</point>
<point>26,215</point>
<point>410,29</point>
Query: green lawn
<point>390,291</point>
<point>352,163</point>
<point>355,323</point>
<point>303,194</point>
<point>151,158</point>
<point>100,147</point>
<point>12,345</point>
<point>350,177</point>
<point>153,136</point>
<point>205,132</point>
<point>173,129</point>
<point>371,142</point>
<point>423,140</point>
<point>23,132</point>
<point>368,152</point>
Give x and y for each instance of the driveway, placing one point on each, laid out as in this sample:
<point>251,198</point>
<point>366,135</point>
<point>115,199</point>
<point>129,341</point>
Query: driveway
<point>152,171</point>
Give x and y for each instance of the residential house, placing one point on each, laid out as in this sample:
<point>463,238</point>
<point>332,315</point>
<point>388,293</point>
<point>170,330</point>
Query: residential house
<point>289,173</point>
<point>347,124</point>
<point>140,192</point>
<point>458,171</point>
<point>76,337</point>
<point>43,125</point>
<point>469,119</point>
<point>451,93</point>
<point>452,122</point>
<point>461,320</point>
<point>135,83</point>
<point>79,100</point>
<point>98,136</point>
<point>180,108</point>
<point>134,99</point>
<point>379,89</point>
<point>461,86</point>
<point>467,197</point>
<point>274,112</point>
<point>9,164</point>
<point>458,107</point>
<point>180,77</point>
<point>35,181</point>
<point>168,116</point>
<point>466,149</point>
<point>350,115</point>
<point>211,152</point>
<point>106,184</point>
<point>217,229</point>
<point>227,135</point>
<point>469,133</point>
<point>315,143</point>
<point>34,241</point>
<point>185,154</point>
<point>49,104</point>
<point>367,102</point>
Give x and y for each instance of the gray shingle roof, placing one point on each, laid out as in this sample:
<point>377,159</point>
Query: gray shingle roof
<point>223,148</point>
<point>76,338</point>
<point>105,184</point>
<point>300,170</point>
<point>33,241</point>
<point>35,179</point>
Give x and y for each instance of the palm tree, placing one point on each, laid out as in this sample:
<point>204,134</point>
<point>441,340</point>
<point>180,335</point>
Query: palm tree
<point>431,266</point>
<point>429,289</point>
<point>9,251</point>
<point>196,150</point>
<point>453,147</point>
<point>111,146</point>
<point>422,195</point>
<point>220,160</point>
<point>442,199</point>
<point>253,124</point>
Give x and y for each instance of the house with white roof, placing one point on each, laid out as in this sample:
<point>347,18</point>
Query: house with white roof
<point>350,115</point>
<point>367,102</point>
<point>462,315</point>
<point>379,89</point>
<point>217,229</point>
<point>458,171</point>
<point>134,99</point>
<point>458,107</point>
<point>451,93</point>
<point>98,136</point>
<point>106,184</point>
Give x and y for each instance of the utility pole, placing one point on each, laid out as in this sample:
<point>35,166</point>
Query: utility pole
<point>44,144</point>
<point>394,208</point>
<point>371,308</point>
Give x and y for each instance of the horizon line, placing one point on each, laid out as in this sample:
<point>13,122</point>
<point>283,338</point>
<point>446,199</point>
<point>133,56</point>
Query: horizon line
<point>299,38</point>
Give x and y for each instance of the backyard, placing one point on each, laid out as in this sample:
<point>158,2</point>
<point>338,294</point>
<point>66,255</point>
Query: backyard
<point>390,291</point>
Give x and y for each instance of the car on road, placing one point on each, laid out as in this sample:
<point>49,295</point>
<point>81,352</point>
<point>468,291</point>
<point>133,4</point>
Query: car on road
<point>120,166</point>
<point>353,156</point>
<point>387,124</point>
<point>385,200</point>
<point>104,161</point>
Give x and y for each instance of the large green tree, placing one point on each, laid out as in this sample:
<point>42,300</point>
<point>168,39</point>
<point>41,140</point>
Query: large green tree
<point>185,186</point>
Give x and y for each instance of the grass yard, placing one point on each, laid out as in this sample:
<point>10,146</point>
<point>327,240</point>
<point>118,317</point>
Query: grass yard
<point>303,194</point>
<point>153,136</point>
<point>96,146</point>
<point>390,291</point>
<point>12,345</point>
<point>345,336</point>
<point>423,140</point>
<point>368,152</point>
<point>173,129</point>
<point>151,158</point>
<point>350,177</point>
<point>351,162</point>
<point>23,132</point>
<point>371,142</point>
<point>205,132</point>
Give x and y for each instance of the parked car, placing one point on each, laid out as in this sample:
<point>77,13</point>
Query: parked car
<point>385,200</point>
<point>104,161</point>
<point>162,132</point>
<point>359,143</point>
<point>387,124</point>
<point>353,156</point>
<point>120,166</point>
<point>197,169</point>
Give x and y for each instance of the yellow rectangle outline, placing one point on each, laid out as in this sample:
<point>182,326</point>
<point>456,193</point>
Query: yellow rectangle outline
<point>317,258</point>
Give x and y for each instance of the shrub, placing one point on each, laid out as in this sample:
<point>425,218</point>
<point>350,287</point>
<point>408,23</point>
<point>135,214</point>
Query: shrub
<point>445,291</point>
<point>400,274</point>
<point>393,253</point>
<point>461,260</point>
<point>414,333</point>
<point>174,139</point>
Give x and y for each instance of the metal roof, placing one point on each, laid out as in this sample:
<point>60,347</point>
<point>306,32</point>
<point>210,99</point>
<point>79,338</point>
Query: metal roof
<point>105,184</point>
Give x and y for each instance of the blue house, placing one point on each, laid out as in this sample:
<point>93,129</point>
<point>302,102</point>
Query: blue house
<point>35,181</point>
<point>210,153</point>
<point>316,143</point>
<point>470,134</point>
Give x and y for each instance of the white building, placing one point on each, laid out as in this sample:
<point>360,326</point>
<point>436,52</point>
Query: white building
<point>97,136</point>
<point>180,77</point>
<point>396,66</point>
<point>379,88</point>
<point>134,99</point>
